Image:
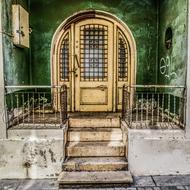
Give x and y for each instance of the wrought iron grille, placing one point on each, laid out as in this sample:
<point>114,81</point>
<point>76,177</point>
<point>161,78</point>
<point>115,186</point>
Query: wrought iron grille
<point>64,59</point>
<point>94,52</point>
<point>122,59</point>
<point>153,106</point>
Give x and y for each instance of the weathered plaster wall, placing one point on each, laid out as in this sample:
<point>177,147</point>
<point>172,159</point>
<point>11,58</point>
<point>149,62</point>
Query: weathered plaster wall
<point>140,16</point>
<point>172,62</point>
<point>158,152</point>
<point>32,154</point>
<point>16,65</point>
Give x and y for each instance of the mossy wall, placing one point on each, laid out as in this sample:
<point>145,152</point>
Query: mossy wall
<point>16,65</point>
<point>147,20</point>
<point>140,16</point>
<point>172,62</point>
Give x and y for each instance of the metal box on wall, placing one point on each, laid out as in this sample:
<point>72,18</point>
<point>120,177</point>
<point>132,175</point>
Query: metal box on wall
<point>20,19</point>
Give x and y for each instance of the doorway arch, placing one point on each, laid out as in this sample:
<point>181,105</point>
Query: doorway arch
<point>92,65</point>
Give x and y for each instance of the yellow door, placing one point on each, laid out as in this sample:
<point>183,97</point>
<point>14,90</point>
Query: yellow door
<point>93,65</point>
<point>94,61</point>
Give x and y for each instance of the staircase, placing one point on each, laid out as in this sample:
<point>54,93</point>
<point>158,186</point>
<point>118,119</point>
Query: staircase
<point>95,153</point>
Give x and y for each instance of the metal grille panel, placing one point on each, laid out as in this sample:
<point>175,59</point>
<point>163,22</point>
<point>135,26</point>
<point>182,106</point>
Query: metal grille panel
<point>122,59</point>
<point>94,52</point>
<point>64,59</point>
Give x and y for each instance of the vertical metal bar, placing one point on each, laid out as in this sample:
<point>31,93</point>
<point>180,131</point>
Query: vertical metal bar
<point>163,107</point>
<point>39,99</point>
<point>12,110</point>
<point>23,108</point>
<point>60,113</point>
<point>28,106</point>
<point>17,105</point>
<point>142,102</point>
<point>168,108</point>
<point>147,107</point>
<point>136,107</point>
<point>174,117</point>
<point>55,114</point>
<point>124,102</point>
<point>43,112</point>
<point>33,99</point>
<point>63,101</point>
<point>152,109</point>
<point>158,107</point>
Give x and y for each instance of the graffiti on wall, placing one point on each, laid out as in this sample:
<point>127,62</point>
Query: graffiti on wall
<point>166,68</point>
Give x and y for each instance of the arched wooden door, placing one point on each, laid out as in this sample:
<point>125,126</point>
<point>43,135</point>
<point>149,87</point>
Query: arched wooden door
<point>93,58</point>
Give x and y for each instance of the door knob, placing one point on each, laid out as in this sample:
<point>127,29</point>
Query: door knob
<point>102,87</point>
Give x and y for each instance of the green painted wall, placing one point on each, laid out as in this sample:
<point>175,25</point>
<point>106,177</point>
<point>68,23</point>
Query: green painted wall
<point>155,62</point>
<point>139,15</point>
<point>16,66</point>
<point>172,62</point>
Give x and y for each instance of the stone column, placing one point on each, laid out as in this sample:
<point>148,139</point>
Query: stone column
<point>3,128</point>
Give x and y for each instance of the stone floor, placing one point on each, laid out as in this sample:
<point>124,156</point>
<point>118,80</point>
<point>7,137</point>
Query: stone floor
<point>181,182</point>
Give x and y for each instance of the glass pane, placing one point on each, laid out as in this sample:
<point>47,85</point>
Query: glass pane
<point>122,59</point>
<point>64,59</point>
<point>93,46</point>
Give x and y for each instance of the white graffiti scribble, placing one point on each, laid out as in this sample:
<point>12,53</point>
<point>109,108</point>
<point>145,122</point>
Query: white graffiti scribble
<point>166,67</point>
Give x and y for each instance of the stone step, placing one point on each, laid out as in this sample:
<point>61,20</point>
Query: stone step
<point>87,149</point>
<point>95,164</point>
<point>94,134</point>
<point>94,122</point>
<point>93,178</point>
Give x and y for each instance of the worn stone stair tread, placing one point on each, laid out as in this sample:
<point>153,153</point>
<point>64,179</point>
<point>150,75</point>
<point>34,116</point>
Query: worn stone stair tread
<point>94,122</point>
<point>94,115</point>
<point>95,164</point>
<point>97,148</point>
<point>94,134</point>
<point>114,177</point>
<point>105,143</point>
<point>98,129</point>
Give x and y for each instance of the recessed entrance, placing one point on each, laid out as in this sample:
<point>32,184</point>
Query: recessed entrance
<point>94,54</point>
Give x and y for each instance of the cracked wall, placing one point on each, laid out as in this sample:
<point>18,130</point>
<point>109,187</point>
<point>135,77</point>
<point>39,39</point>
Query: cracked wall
<point>32,157</point>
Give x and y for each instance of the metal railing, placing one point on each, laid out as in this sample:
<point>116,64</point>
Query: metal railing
<point>153,106</point>
<point>36,106</point>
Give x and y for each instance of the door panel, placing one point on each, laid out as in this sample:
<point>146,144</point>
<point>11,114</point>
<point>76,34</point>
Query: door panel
<point>94,63</point>
<point>94,96</point>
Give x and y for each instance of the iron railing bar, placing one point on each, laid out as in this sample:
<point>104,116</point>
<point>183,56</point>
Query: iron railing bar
<point>156,86</point>
<point>31,86</point>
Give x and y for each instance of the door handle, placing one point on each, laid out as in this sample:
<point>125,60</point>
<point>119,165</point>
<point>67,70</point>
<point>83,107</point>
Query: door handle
<point>102,87</point>
<point>77,60</point>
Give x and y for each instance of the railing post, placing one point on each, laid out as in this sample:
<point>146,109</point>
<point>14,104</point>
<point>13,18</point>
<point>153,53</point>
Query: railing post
<point>124,101</point>
<point>63,101</point>
<point>3,128</point>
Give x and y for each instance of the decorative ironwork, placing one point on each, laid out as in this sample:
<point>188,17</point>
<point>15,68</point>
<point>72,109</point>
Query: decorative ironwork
<point>64,59</point>
<point>94,52</point>
<point>122,59</point>
<point>153,106</point>
<point>34,106</point>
